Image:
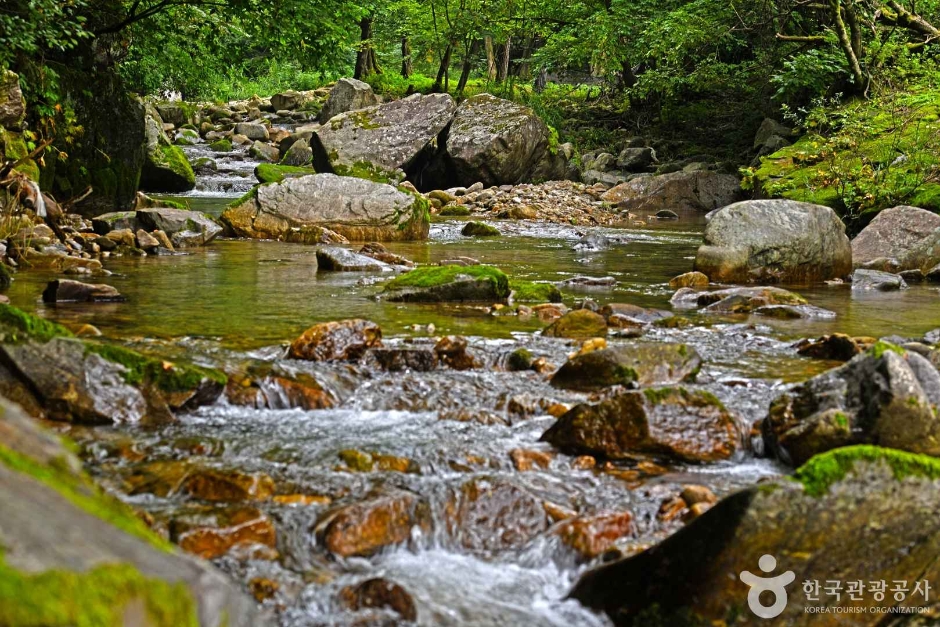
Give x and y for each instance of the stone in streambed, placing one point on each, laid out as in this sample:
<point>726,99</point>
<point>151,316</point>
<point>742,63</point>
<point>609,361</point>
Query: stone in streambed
<point>877,280</point>
<point>344,340</point>
<point>494,513</point>
<point>335,259</point>
<point>479,229</point>
<point>674,423</point>
<point>896,233</point>
<point>67,291</point>
<point>449,284</point>
<point>381,594</point>
<point>185,228</point>
<point>210,533</point>
<point>578,324</point>
<point>348,94</point>
<point>631,364</point>
<point>591,535</point>
<point>689,279</point>
<point>380,521</point>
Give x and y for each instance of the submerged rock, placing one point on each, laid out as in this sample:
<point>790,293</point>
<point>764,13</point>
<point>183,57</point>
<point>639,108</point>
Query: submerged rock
<point>885,396</point>
<point>301,209</point>
<point>211,533</point>
<point>494,513</point>
<point>430,284</point>
<point>771,241</point>
<point>631,364</point>
<point>67,291</point>
<point>674,423</point>
<point>810,528</point>
<point>689,279</point>
<point>382,594</point>
<point>579,324</point>
<point>735,299</point>
<point>345,340</point>
<point>370,525</point>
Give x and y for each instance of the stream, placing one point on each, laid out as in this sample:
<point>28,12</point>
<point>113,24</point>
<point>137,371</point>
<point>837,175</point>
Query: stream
<point>235,303</point>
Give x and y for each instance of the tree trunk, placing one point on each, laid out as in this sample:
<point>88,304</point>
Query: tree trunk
<point>467,66</point>
<point>502,68</point>
<point>845,42</point>
<point>490,58</point>
<point>541,79</point>
<point>442,70</point>
<point>405,58</point>
<point>366,61</point>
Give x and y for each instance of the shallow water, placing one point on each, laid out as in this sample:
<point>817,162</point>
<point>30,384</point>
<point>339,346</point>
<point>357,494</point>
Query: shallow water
<point>241,301</point>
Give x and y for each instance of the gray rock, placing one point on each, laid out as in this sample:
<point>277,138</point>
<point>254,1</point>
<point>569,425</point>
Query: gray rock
<point>252,130</point>
<point>288,100</point>
<point>876,280</point>
<point>165,167</point>
<point>264,152</point>
<point>676,191</point>
<point>185,228</point>
<point>172,113</point>
<point>629,365</point>
<point>300,209</point>
<point>774,241</point>
<point>71,539</point>
<point>299,154</point>
<point>381,141</point>
<point>603,162</point>
<point>12,104</point>
<point>768,129</point>
<point>896,233</point>
<point>335,259</point>
<point>348,94</point>
<point>66,291</point>
<point>611,179</point>
<point>795,312</point>
<point>114,221</point>
<point>634,159</point>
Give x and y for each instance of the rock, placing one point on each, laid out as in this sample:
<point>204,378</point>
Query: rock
<point>634,159</point>
<point>113,221</point>
<point>804,531</point>
<point>876,280</point>
<point>185,228</point>
<point>453,353</point>
<point>165,167</point>
<point>348,94</point>
<point>168,478</point>
<point>12,104</point>
<point>494,141</point>
<point>885,396</point>
<point>172,113</point>
<point>590,536</point>
<point>300,209</point>
<point>345,340</point>
<point>146,241</point>
<point>681,191</point>
<point>592,241</point>
<point>629,365</point>
<point>403,359</point>
<point>264,152</point>
<point>912,276</point>
<point>299,154</point>
<point>519,212</point>
<point>588,281</point>
<point>478,229</point>
<point>674,423</point>
<point>288,100</point>
<point>452,283</point>
<point>379,141</point>
<point>535,292</point>
<point>895,233</point>
<point>689,279</point>
<point>368,526</point>
<point>578,324</point>
<point>835,347</point>
<point>379,252</point>
<point>253,131</point>
<point>493,514</point>
<point>769,129</point>
<point>275,173</point>
<point>774,241</point>
<point>335,259</point>
<point>380,593</point>
<point>211,533</point>
<point>66,291</point>
<point>633,313</point>
<point>126,565</point>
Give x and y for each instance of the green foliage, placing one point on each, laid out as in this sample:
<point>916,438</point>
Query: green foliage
<point>822,471</point>
<point>30,27</point>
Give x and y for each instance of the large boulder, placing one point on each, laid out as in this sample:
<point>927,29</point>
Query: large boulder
<point>165,168</point>
<point>494,142</point>
<point>855,514</point>
<point>185,228</point>
<point>347,94</point>
<point>895,234</point>
<point>382,141</point>
<point>676,191</point>
<point>73,555</point>
<point>771,241</point>
<point>629,365</point>
<point>300,209</point>
<point>885,396</point>
<point>673,423</point>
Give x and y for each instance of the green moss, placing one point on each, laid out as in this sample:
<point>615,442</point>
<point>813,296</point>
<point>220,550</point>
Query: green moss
<point>273,173</point>
<point>880,347</point>
<point>479,229</point>
<point>519,360</point>
<point>79,491</point>
<point>696,398</point>
<point>454,211</point>
<point>624,375</point>
<point>825,469</point>
<point>532,292</point>
<point>357,460</point>
<point>221,145</point>
<point>841,420</point>
<point>19,326</point>
<point>251,194</point>
<point>431,276</point>
<point>165,376</point>
<point>95,598</point>
<point>364,170</point>
<point>173,158</point>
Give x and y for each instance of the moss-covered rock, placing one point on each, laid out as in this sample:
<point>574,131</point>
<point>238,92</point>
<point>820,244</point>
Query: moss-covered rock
<point>454,211</point>
<point>479,229</point>
<point>629,365</point>
<point>273,173</point>
<point>532,292</point>
<point>221,145</point>
<point>18,326</point>
<point>580,324</point>
<point>823,471</point>
<point>167,170</point>
<point>449,284</point>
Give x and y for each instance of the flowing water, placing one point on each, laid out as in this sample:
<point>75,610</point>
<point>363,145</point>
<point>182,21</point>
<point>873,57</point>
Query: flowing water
<point>239,302</point>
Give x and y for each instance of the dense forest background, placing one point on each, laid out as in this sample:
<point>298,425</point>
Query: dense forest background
<point>702,73</point>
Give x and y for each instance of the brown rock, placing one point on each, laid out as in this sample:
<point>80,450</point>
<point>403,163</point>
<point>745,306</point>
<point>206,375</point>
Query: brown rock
<point>893,234</point>
<point>146,241</point>
<point>589,536</point>
<point>211,533</point>
<point>578,324</point>
<point>689,279</point>
<point>524,459</point>
<point>68,291</point>
<point>836,347</point>
<point>380,593</point>
<point>453,353</point>
<point>693,494</point>
<point>583,462</point>
<point>342,340</point>
<point>263,588</point>
<point>490,513</point>
<point>166,478</point>
<point>370,525</point>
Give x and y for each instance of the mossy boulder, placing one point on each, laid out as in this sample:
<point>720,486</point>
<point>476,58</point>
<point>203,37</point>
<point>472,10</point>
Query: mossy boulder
<point>629,365</point>
<point>451,283</point>
<point>854,497</point>
<point>885,396</point>
<point>580,324</point>
<point>533,292</point>
<point>273,173</point>
<point>221,145</point>
<point>119,569</point>
<point>167,170</point>
<point>454,211</point>
<point>357,209</point>
<point>672,423</point>
<point>12,104</point>
<point>479,229</point>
